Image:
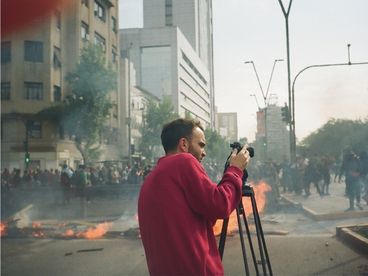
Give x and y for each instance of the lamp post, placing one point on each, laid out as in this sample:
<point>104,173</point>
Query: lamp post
<point>293,90</point>
<point>264,95</point>
<point>290,95</point>
<point>129,119</point>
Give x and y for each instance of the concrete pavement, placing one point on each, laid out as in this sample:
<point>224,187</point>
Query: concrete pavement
<point>328,207</point>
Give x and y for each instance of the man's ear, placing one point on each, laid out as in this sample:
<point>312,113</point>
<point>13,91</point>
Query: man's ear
<point>183,145</point>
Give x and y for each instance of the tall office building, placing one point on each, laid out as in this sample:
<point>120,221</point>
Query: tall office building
<point>34,63</point>
<point>172,55</point>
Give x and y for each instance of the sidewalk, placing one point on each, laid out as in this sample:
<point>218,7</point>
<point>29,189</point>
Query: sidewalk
<point>328,207</point>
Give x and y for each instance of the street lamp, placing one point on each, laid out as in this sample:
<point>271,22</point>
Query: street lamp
<point>255,97</point>
<point>264,95</point>
<point>129,121</point>
<point>292,108</point>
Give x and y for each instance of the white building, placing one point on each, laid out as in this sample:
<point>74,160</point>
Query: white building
<point>167,65</point>
<point>173,54</point>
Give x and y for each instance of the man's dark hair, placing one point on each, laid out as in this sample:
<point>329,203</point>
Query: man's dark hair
<point>173,131</point>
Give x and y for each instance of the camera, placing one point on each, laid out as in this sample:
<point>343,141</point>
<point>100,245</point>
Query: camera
<point>238,147</point>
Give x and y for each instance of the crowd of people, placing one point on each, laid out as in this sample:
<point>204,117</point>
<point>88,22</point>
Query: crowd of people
<point>296,177</point>
<point>305,173</point>
<point>73,182</point>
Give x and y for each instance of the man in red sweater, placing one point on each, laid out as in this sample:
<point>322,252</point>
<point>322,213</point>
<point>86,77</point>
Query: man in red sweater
<point>178,204</point>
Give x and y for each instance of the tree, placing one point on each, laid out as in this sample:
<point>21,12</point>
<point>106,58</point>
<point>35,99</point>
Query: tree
<point>86,108</point>
<point>156,116</point>
<point>217,148</point>
<point>336,135</point>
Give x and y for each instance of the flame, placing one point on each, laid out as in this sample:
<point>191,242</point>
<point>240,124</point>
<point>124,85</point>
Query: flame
<point>260,190</point>
<point>95,232</point>
<point>38,234</point>
<point>3,229</point>
<point>69,233</point>
<point>36,225</point>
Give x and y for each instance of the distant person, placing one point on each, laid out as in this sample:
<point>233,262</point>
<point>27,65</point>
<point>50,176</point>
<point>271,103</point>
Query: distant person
<point>364,173</point>
<point>66,184</point>
<point>179,204</point>
<point>350,167</point>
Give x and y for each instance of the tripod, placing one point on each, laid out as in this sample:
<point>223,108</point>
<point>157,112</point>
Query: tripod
<point>247,191</point>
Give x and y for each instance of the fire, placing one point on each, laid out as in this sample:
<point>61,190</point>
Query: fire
<point>69,233</point>
<point>38,234</point>
<point>95,232</point>
<point>260,191</point>
<point>3,229</point>
<point>36,225</point>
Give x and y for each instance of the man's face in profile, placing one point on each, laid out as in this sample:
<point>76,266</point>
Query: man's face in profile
<point>197,144</point>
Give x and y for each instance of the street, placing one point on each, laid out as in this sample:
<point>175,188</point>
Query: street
<point>297,244</point>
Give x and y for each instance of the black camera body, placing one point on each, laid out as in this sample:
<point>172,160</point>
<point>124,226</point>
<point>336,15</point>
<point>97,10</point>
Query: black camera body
<point>238,147</point>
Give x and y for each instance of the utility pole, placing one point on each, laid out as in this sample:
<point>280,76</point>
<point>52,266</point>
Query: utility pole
<point>129,121</point>
<point>290,96</point>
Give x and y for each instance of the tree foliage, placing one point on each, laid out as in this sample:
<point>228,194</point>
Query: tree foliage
<point>85,109</point>
<point>217,148</point>
<point>336,135</point>
<point>156,116</point>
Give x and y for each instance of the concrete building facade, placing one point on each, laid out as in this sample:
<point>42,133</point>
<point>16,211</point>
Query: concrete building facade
<point>167,65</point>
<point>272,136</point>
<point>174,53</point>
<point>34,64</point>
<point>227,125</point>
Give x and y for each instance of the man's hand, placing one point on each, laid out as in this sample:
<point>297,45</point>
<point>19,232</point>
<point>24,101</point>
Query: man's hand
<point>240,159</point>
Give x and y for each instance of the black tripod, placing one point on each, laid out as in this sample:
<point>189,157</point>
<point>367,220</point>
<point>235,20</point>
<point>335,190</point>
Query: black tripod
<point>247,191</point>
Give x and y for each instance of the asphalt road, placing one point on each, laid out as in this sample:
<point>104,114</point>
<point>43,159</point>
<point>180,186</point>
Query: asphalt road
<point>297,244</point>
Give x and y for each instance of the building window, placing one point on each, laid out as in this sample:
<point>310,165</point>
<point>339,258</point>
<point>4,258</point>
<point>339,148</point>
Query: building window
<point>100,11</point>
<point>114,54</point>
<point>57,93</point>
<point>84,31</point>
<point>5,91</point>
<point>33,91</point>
<point>5,52</point>
<point>58,19</point>
<point>85,3</point>
<point>100,41</point>
<point>168,13</point>
<point>114,24</point>
<point>57,57</point>
<point>34,129</point>
<point>33,51</point>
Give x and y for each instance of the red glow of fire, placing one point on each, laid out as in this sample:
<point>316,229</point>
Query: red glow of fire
<point>3,229</point>
<point>38,234</point>
<point>95,232</point>
<point>69,233</point>
<point>36,225</point>
<point>260,191</point>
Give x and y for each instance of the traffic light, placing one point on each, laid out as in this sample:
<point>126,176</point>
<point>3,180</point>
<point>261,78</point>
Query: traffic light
<point>285,114</point>
<point>27,158</point>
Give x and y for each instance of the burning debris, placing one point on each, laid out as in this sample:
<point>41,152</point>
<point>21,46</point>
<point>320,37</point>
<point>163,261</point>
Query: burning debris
<point>72,230</point>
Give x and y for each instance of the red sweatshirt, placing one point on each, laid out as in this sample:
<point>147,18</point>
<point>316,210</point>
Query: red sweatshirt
<point>177,207</point>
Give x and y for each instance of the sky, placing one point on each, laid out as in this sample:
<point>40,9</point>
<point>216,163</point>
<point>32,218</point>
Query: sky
<point>254,30</point>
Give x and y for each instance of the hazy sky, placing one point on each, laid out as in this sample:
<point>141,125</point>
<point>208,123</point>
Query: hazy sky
<point>255,30</point>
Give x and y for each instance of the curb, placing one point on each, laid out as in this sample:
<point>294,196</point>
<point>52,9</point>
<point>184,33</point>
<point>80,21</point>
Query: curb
<point>346,235</point>
<point>326,216</point>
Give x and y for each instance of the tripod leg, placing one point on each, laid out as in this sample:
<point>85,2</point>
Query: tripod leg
<point>246,267</point>
<point>223,237</point>
<point>260,237</point>
<point>249,239</point>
